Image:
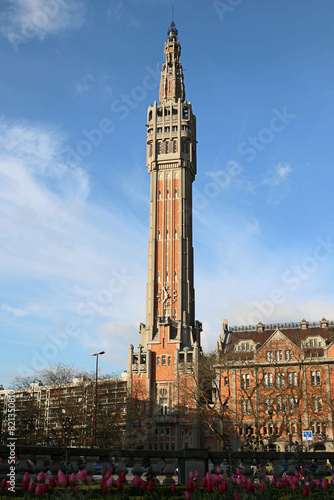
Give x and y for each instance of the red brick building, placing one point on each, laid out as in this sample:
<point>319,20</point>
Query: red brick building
<point>276,382</point>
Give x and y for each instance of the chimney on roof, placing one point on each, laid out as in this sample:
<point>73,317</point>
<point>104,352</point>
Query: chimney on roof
<point>303,324</point>
<point>324,323</point>
<point>260,327</point>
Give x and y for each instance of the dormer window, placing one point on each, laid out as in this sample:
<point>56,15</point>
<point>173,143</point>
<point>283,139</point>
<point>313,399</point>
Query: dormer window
<point>313,342</point>
<point>244,346</point>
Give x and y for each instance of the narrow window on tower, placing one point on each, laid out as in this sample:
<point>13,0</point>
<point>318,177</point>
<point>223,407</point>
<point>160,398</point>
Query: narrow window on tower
<point>158,277</point>
<point>167,233</point>
<point>159,130</point>
<point>163,359</point>
<point>167,193</point>
<point>174,128</point>
<point>175,275</point>
<point>159,148</point>
<point>175,233</point>
<point>159,194</point>
<point>167,129</point>
<point>167,147</point>
<point>175,314</point>
<point>158,360</point>
<point>175,147</point>
<point>166,275</point>
<point>175,192</point>
<point>159,234</point>
<point>169,360</point>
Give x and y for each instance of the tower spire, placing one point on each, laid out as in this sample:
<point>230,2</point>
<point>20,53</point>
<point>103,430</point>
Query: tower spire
<point>171,83</point>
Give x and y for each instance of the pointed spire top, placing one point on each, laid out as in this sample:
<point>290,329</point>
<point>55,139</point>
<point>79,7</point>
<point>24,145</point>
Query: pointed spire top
<point>171,84</point>
<point>172,31</point>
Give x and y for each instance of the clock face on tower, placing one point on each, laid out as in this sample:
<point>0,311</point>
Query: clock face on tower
<point>165,296</point>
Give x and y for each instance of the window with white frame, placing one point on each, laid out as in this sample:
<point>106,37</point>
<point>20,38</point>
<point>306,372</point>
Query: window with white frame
<point>245,407</point>
<point>292,378</point>
<point>279,355</point>
<point>315,377</point>
<point>245,384</point>
<point>268,379</point>
<point>288,355</point>
<point>269,356</point>
<point>317,404</point>
<point>279,379</point>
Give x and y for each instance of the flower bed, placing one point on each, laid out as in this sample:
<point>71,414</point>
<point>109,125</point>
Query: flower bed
<point>213,486</point>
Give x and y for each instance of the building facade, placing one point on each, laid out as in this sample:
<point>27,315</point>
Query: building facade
<point>63,414</point>
<point>170,338</point>
<point>273,383</point>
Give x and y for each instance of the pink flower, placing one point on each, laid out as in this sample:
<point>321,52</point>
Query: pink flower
<point>46,488</point>
<point>62,481</point>
<point>119,486</point>
<point>144,485</point>
<point>236,496</point>
<point>204,482</point>
<point>76,489</point>
<point>108,474</point>
<point>122,477</point>
<point>110,482</point>
<point>173,488</point>
<point>293,487</point>
<point>262,487</point>
<point>237,471</point>
<point>197,474</point>
<point>190,486</point>
<point>209,487</point>
<point>52,482</point>
<point>187,495</point>
<point>325,483</point>
<point>191,475</point>
<point>104,489</point>
<point>3,483</point>
<point>151,486</point>
<point>305,492</point>
<point>39,490</point>
<point>279,485</point>
<point>224,485</point>
<point>250,486</point>
<point>31,486</point>
<point>25,481</point>
<point>218,469</point>
<point>83,477</point>
<point>73,478</point>
<point>317,482</point>
<point>41,476</point>
<point>137,481</point>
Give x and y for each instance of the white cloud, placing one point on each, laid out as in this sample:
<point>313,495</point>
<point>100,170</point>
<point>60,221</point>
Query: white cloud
<point>38,151</point>
<point>278,175</point>
<point>84,85</point>
<point>13,310</point>
<point>62,260</point>
<point>117,13</point>
<point>24,20</point>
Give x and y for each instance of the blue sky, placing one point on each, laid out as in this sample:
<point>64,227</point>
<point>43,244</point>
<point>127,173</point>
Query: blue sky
<point>77,78</point>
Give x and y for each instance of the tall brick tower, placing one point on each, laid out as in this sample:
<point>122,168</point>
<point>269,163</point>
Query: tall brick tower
<point>170,338</point>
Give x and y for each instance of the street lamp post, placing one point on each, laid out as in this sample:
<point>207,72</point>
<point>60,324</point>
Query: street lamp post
<point>95,410</point>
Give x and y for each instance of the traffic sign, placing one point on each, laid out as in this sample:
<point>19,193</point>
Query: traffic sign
<point>307,435</point>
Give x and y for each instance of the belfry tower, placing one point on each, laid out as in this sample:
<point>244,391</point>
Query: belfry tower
<point>170,338</point>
